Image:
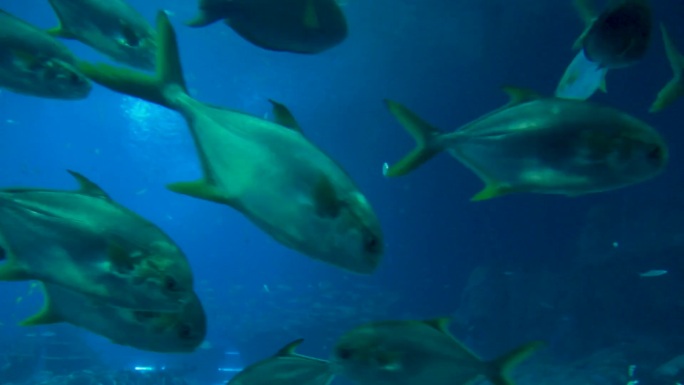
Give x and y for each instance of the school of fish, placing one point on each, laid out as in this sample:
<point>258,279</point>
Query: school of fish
<point>106,269</point>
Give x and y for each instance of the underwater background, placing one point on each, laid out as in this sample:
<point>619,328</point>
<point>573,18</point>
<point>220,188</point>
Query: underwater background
<point>508,270</point>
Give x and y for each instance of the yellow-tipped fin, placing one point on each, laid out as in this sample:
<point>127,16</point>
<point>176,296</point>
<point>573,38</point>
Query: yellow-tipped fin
<point>426,136</point>
<point>199,189</point>
<point>519,95</point>
<point>88,187</point>
<point>289,349</point>
<point>603,87</point>
<point>283,116</point>
<point>441,324</point>
<point>160,89</point>
<point>47,315</point>
<point>492,190</point>
<point>59,31</point>
<point>499,370</point>
<point>588,13</point>
<point>675,87</point>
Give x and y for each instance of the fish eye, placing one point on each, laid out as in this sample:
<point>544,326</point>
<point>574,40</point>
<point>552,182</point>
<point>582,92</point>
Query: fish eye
<point>184,331</point>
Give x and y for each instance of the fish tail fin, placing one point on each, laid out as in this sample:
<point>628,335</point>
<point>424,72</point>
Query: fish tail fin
<point>426,136</point>
<point>10,268</point>
<point>675,87</point>
<point>162,88</point>
<point>499,369</point>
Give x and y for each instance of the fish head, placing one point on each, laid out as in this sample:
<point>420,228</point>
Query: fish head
<point>358,243</point>
<point>162,275</point>
<point>637,153</point>
<point>366,354</point>
<point>136,46</point>
<point>60,79</point>
<point>176,332</point>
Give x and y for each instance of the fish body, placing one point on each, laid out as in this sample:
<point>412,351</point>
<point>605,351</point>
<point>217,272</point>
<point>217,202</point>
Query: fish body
<point>86,242</point>
<point>34,63</point>
<point>581,79</point>
<point>179,332</point>
<point>619,36</point>
<point>286,368</point>
<point>546,145</point>
<point>299,26</point>
<point>267,171</point>
<point>112,27</point>
<point>417,352</point>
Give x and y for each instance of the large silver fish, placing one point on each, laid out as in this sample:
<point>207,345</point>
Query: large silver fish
<point>269,172</point>
<point>542,145</point>
<point>112,27</point>
<point>179,332</point>
<point>300,26</point>
<point>417,353</point>
<point>88,243</point>
<point>34,63</point>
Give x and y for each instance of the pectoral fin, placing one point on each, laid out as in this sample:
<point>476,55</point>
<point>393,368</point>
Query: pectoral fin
<point>493,190</point>
<point>47,315</point>
<point>199,189</point>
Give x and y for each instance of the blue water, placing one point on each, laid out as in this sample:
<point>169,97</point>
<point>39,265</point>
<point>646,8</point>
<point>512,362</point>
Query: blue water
<point>446,60</point>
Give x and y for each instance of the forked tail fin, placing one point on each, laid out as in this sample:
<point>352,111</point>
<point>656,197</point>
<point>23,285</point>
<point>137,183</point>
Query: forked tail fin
<point>427,140</point>
<point>161,88</point>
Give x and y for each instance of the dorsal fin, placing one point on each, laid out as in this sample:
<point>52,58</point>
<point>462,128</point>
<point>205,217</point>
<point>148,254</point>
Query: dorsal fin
<point>441,324</point>
<point>88,187</point>
<point>283,116</point>
<point>518,95</point>
<point>289,349</point>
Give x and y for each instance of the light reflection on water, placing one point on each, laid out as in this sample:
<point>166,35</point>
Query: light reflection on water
<point>158,138</point>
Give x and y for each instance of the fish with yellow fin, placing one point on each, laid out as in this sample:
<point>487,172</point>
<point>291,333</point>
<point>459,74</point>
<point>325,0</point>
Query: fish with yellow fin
<point>412,352</point>
<point>542,145</point>
<point>298,26</point>
<point>86,242</point>
<point>268,171</point>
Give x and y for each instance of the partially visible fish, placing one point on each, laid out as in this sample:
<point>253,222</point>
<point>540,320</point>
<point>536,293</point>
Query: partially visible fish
<point>112,27</point>
<point>581,79</point>
<point>675,87</point>
<point>416,352</point>
<point>617,37</point>
<point>299,26</point>
<point>34,63</point>
<point>85,241</point>
<point>286,367</point>
<point>179,332</point>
